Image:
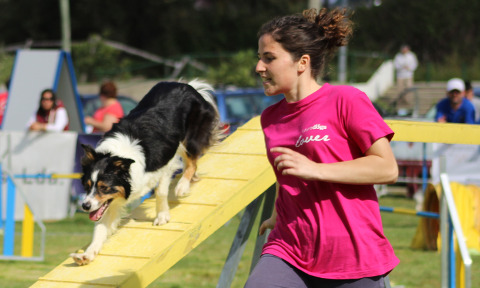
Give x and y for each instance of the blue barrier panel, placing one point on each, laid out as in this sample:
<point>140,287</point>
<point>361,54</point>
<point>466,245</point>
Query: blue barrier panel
<point>9,238</point>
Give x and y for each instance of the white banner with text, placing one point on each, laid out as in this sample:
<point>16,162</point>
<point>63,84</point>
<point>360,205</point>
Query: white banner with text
<point>28,155</point>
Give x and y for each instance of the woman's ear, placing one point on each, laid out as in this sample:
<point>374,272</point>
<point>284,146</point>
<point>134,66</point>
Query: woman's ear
<point>303,63</point>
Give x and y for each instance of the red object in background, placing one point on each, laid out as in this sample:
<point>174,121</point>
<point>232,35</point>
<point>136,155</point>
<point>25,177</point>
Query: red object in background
<point>411,170</point>
<point>226,128</point>
<point>3,105</point>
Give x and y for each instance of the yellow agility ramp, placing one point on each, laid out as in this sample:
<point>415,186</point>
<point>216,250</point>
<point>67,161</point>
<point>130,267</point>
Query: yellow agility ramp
<point>232,174</point>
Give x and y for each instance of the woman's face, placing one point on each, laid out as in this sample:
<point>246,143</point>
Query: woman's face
<point>279,72</point>
<point>47,101</point>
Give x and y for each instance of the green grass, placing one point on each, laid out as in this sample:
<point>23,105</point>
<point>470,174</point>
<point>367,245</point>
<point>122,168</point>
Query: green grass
<point>202,267</point>
<point>63,237</point>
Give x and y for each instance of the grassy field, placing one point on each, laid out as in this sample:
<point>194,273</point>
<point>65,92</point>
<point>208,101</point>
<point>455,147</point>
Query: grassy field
<point>202,267</point>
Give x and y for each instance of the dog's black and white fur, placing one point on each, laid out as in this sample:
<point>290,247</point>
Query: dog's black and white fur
<point>139,154</point>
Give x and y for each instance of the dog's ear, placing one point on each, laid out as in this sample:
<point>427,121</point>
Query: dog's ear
<point>89,156</point>
<point>121,164</point>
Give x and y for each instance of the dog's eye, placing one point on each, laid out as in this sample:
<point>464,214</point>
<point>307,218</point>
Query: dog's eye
<point>102,187</point>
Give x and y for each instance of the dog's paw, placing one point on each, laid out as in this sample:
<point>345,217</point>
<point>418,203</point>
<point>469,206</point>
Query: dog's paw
<point>82,258</point>
<point>162,218</point>
<point>183,188</point>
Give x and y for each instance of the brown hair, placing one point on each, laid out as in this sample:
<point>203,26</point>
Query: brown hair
<point>42,112</point>
<point>108,89</point>
<point>315,34</point>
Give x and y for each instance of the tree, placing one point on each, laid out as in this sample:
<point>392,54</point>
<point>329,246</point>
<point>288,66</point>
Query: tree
<point>238,71</point>
<point>435,30</point>
<point>6,65</point>
<point>439,32</point>
<point>95,60</point>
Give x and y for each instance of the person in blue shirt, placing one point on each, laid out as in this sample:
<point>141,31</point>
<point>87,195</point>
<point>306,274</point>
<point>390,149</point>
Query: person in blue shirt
<point>455,108</point>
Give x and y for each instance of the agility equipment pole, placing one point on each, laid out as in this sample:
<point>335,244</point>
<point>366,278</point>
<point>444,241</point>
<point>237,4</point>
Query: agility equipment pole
<point>410,212</point>
<point>27,233</point>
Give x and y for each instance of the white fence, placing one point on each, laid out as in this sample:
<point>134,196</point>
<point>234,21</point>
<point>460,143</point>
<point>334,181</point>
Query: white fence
<point>380,81</point>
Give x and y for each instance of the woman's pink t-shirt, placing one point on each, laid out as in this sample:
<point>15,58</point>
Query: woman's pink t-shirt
<point>115,109</point>
<point>328,230</point>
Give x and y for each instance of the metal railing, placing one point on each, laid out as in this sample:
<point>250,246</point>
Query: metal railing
<point>415,113</point>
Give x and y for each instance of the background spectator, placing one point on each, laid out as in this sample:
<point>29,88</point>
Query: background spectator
<point>455,108</point>
<point>110,112</point>
<point>51,114</point>
<point>405,63</point>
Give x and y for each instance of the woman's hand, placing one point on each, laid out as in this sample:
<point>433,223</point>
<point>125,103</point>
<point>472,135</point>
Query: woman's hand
<point>293,163</point>
<point>89,120</point>
<point>103,126</point>
<point>267,224</point>
<point>36,126</point>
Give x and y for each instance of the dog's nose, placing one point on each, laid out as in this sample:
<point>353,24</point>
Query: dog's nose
<point>86,206</point>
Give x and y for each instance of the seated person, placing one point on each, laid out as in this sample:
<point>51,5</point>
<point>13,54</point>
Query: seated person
<point>51,114</point>
<point>110,112</point>
<point>455,108</point>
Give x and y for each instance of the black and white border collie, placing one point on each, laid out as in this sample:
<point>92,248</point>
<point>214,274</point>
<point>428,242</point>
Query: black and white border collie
<point>139,154</point>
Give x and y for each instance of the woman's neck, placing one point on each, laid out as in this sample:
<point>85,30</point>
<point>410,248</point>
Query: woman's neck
<point>110,101</point>
<point>303,90</point>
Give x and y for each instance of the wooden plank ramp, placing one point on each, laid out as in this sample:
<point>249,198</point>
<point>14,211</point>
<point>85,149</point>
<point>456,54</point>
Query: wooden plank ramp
<point>232,174</point>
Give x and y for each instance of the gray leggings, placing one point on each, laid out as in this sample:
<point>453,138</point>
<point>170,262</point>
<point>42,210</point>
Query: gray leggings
<point>273,272</point>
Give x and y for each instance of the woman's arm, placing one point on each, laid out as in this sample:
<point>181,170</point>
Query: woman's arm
<point>378,166</point>
<point>61,121</point>
<point>103,126</point>
<point>270,222</point>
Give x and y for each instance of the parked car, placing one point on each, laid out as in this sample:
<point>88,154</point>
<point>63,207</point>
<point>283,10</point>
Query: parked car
<point>237,106</point>
<point>91,102</point>
<point>476,91</point>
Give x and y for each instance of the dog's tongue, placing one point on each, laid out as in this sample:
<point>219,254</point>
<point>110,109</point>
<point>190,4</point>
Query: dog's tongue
<point>97,214</point>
